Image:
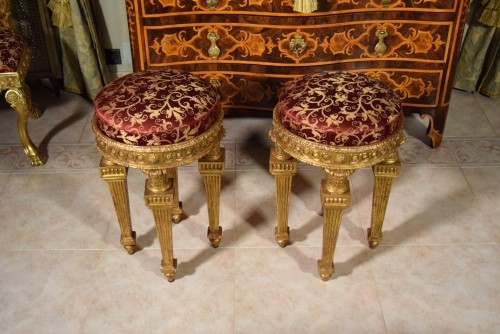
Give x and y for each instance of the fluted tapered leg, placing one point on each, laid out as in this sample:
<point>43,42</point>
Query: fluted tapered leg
<point>116,177</point>
<point>211,167</point>
<point>335,197</point>
<point>159,197</point>
<point>20,100</point>
<point>177,210</point>
<point>283,168</point>
<point>384,173</point>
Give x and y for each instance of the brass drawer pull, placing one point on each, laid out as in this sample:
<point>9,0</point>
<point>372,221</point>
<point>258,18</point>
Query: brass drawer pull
<point>386,3</point>
<point>380,48</point>
<point>297,44</point>
<point>213,50</point>
<point>212,4</point>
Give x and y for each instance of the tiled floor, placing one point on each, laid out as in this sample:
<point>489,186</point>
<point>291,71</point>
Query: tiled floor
<point>62,269</point>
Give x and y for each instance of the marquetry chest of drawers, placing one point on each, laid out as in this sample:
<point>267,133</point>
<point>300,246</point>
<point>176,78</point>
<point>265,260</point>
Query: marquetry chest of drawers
<point>249,48</point>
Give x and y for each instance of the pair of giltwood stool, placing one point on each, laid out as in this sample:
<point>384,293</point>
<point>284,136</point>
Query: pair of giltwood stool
<point>158,120</point>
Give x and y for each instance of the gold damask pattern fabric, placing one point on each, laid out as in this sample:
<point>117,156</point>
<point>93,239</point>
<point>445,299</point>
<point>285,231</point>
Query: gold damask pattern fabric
<point>159,107</point>
<point>11,50</point>
<point>339,108</point>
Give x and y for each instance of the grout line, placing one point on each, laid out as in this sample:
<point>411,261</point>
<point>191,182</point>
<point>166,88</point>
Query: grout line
<point>378,292</point>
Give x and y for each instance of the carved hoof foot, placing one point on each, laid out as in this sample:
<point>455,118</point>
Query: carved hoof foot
<point>215,237</point>
<point>372,242</point>
<point>130,249</point>
<point>325,271</point>
<point>129,243</point>
<point>35,111</point>
<point>283,242</point>
<point>176,219</point>
<point>169,270</point>
<point>177,214</point>
<point>37,159</point>
<point>283,238</point>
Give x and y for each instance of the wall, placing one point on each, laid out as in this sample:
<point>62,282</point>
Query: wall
<point>111,21</point>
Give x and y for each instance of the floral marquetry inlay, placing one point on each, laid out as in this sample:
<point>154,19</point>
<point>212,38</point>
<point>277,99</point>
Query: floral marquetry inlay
<point>246,43</point>
<point>406,87</point>
<point>168,3</point>
<point>402,42</point>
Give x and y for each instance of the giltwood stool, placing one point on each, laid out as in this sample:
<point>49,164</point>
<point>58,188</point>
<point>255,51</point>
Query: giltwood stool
<point>156,121</point>
<point>339,121</point>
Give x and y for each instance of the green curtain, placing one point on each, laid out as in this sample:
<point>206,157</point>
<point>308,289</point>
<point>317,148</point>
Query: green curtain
<point>478,68</point>
<point>84,65</point>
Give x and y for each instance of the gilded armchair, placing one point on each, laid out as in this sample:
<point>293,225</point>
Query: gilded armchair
<point>14,63</point>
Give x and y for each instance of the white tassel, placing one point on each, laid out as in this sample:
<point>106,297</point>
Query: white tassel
<point>305,6</point>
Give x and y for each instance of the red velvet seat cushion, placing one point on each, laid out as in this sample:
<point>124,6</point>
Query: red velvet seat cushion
<point>339,108</point>
<point>11,50</point>
<point>156,107</point>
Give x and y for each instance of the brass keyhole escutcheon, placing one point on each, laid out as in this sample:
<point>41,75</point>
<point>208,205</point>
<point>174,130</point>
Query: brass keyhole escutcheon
<point>386,3</point>
<point>212,4</point>
<point>297,44</point>
<point>381,47</point>
<point>213,50</point>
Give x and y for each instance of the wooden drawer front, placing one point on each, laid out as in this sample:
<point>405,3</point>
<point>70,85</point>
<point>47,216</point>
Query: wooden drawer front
<point>356,5</point>
<point>272,7</point>
<point>248,91</point>
<point>281,45</point>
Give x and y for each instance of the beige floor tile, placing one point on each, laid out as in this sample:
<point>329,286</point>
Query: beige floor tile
<point>65,158</point>
<point>476,152</point>
<point>4,177</point>
<point>62,122</point>
<point>485,182</point>
<point>279,291</point>
<point>54,211</point>
<point>46,291</point>
<point>466,118</point>
<point>9,156</point>
<point>256,207</point>
<point>132,295</point>
<point>428,206</point>
<point>491,108</point>
<point>88,136</point>
<point>439,289</point>
<point>415,152</point>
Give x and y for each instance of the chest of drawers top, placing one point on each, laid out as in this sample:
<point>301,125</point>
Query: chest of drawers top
<point>152,8</point>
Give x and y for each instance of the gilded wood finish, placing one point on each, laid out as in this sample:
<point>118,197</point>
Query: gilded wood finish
<point>18,94</point>
<point>251,47</point>
<point>161,194</point>
<point>339,163</point>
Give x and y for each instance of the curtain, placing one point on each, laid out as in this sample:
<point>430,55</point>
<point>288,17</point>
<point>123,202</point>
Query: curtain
<point>478,68</point>
<point>84,65</point>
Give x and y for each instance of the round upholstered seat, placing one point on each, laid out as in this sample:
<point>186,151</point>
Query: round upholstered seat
<point>11,50</point>
<point>339,108</point>
<point>152,108</point>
